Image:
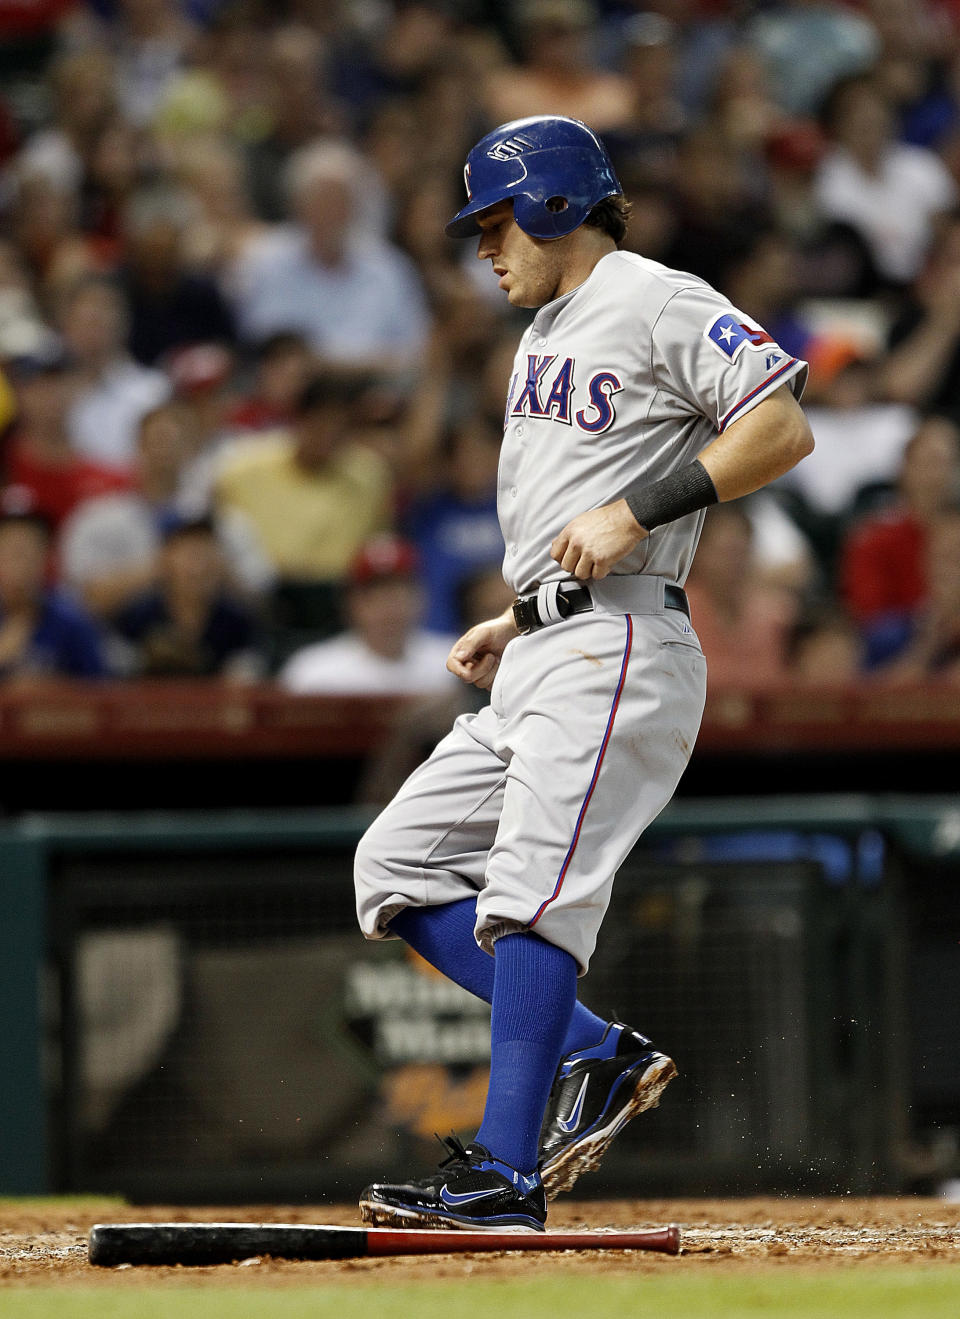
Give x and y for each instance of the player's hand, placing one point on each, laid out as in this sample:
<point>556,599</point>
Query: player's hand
<point>593,542</point>
<point>476,656</point>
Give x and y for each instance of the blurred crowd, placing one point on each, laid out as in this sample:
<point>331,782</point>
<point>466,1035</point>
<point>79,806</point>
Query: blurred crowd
<point>252,397</point>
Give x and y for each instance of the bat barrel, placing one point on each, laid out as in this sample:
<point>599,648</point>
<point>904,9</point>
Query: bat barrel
<point>220,1243</point>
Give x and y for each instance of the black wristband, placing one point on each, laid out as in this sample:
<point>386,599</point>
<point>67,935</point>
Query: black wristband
<point>676,495</point>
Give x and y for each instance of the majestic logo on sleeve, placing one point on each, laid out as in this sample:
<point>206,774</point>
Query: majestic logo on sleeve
<point>730,336</point>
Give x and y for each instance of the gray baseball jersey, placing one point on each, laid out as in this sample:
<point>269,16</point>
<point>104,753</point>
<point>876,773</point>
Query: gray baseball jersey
<point>617,384</point>
<point>531,805</point>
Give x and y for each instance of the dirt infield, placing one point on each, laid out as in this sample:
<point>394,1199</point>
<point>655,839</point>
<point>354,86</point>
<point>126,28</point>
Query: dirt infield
<point>42,1244</point>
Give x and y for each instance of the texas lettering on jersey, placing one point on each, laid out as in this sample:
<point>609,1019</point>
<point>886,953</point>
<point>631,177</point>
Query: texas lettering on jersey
<point>548,392</point>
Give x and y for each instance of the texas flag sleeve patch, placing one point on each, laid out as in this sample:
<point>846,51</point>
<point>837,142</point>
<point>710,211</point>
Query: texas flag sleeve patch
<point>730,336</point>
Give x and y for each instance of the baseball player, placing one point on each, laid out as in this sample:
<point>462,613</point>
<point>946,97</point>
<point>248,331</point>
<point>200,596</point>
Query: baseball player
<point>639,396</point>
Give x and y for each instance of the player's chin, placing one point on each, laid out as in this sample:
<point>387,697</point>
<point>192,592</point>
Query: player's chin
<point>517,296</point>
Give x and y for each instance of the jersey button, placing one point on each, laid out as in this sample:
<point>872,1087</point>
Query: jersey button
<point>541,343</point>
<point>514,491</point>
<point>519,430</point>
<point>513,551</point>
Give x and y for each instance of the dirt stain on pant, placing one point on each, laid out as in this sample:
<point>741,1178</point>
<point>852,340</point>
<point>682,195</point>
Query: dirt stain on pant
<point>591,659</point>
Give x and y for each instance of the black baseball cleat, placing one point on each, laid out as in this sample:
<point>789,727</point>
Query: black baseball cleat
<point>472,1190</point>
<point>595,1093</point>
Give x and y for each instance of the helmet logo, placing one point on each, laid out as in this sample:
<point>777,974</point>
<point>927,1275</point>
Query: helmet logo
<point>510,147</point>
<point>466,181</point>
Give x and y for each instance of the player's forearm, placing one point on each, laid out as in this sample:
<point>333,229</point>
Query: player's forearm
<point>913,370</point>
<point>766,443</point>
<point>423,427</point>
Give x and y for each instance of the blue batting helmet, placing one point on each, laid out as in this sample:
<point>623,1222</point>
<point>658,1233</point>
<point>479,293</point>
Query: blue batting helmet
<point>555,170</point>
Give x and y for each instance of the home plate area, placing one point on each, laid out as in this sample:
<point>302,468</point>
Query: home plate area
<point>49,1241</point>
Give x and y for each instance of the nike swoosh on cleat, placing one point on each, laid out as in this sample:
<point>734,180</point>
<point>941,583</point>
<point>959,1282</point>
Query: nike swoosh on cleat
<point>451,1198</point>
<point>574,1117</point>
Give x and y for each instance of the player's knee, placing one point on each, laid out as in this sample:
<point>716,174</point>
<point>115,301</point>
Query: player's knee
<point>366,859</point>
<point>371,862</point>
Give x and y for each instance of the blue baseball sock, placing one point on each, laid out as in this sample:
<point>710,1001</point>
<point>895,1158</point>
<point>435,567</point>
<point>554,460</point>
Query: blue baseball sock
<point>534,990</point>
<point>443,936</point>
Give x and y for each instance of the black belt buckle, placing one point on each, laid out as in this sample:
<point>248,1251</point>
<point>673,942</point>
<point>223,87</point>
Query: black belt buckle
<point>526,615</point>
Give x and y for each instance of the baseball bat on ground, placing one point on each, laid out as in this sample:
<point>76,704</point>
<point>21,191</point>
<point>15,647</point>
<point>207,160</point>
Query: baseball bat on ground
<point>225,1243</point>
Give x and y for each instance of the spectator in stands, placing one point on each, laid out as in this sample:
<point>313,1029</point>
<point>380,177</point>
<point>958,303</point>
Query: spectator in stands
<point>384,649</point>
<point>860,444</point>
<point>743,626</point>
<point>283,364</point>
<point>793,151</point>
<point>114,392</point>
<point>22,328</point>
<point>354,296</point>
<point>420,200</point>
<point>910,645</point>
<point>412,43</point>
<point>170,306</point>
<point>390,143</point>
<point>645,143</point>
<point>201,378</point>
<point>72,172</point>
<point>889,192</point>
<point>115,168</point>
<point>835,260</point>
<point>454,526</point>
<point>29,35</point>
<point>468,343</point>
<point>312,495</point>
<point>40,457</point>
<point>783,557</point>
<point>809,46</point>
<point>382,424</point>
<point>42,633</point>
<point>557,74</point>
<point>83,88</point>
<point>189,625</point>
<point>157,142</point>
<point>422,722</point>
<point>825,649</point>
<point>297,110</point>
<point>44,225</point>
<point>922,366</point>
<point>886,556</point>
<point>225,227</point>
<point>715,204</point>
<point>743,101</point>
<point>109,547</point>
<point>153,40</point>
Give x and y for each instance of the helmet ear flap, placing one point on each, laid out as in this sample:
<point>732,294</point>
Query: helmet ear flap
<point>552,217</point>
